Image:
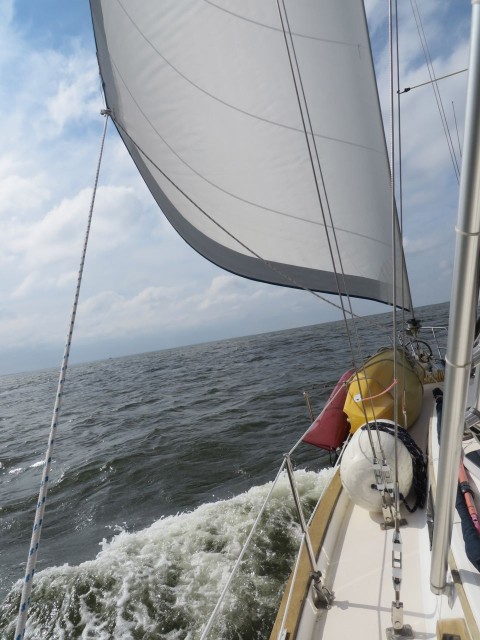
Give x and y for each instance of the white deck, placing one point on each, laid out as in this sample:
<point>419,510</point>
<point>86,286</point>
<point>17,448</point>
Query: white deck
<point>363,582</point>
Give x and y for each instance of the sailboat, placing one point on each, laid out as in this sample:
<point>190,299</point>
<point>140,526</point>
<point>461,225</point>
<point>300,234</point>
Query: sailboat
<point>258,130</point>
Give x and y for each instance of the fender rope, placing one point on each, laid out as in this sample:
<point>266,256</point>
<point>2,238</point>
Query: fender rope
<point>395,381</point>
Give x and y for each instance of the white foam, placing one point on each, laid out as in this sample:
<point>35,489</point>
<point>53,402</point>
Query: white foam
<point>164,581</point>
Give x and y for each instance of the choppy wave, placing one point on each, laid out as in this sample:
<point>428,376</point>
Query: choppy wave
<point>163,582</point>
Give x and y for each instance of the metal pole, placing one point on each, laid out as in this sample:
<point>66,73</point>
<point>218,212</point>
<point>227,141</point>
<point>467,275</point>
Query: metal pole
<point>462,318</point>
<point>301,516</point>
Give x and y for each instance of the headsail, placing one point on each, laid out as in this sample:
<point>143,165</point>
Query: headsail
<point>209,99</point>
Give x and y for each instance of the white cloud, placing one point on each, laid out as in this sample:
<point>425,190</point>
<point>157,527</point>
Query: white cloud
<point>36,283</point>
<point>7,34</point>
<point>20,194</point>
<point>156,309</point>
<point>76,96</point>
<point>226,291</point>
<point>421,245</point>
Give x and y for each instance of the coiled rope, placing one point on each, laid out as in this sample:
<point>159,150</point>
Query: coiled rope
<point>42,496</point>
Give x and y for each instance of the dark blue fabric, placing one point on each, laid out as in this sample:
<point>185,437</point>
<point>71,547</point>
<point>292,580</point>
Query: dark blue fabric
<point>470,535</point>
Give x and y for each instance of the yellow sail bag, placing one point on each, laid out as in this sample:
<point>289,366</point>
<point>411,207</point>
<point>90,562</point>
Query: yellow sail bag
<point>371,390</point>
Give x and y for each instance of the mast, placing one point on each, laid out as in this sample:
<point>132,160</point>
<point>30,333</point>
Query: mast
<point>463,306</point>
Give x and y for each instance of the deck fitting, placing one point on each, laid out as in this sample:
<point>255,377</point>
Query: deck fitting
<point>384,526</point>
<point>399,630</point>
<point>405,632</point>
<point>322,597</point>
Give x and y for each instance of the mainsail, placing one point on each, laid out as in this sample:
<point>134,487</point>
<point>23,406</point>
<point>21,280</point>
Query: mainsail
<point>255,128</point>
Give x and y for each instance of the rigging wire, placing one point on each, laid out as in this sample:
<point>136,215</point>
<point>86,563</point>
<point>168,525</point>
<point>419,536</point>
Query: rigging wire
<point>436,90</point>
<point>391,18</point>
<point>456,129</point>
<point>397,607</point>
<point>400,186</point>
<point>423,84</point>
<point>299,88</point>
<point>314,156</point>
<point>42,497</point>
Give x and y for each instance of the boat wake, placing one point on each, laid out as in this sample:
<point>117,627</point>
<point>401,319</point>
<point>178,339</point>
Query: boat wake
<point>163,582</point>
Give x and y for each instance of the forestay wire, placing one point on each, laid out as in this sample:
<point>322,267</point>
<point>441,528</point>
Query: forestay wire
<point>42,496</point>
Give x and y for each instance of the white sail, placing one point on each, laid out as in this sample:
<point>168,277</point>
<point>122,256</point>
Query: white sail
<point>203,95</point>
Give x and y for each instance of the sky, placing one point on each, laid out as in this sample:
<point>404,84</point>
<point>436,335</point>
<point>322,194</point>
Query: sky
<point>144,288</point>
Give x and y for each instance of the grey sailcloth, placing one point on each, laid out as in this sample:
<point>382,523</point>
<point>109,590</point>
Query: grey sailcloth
<point>211,100</point>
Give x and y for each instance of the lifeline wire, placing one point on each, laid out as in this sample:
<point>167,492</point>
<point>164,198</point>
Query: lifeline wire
<point>42,496</point>
<point>211,620</point>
